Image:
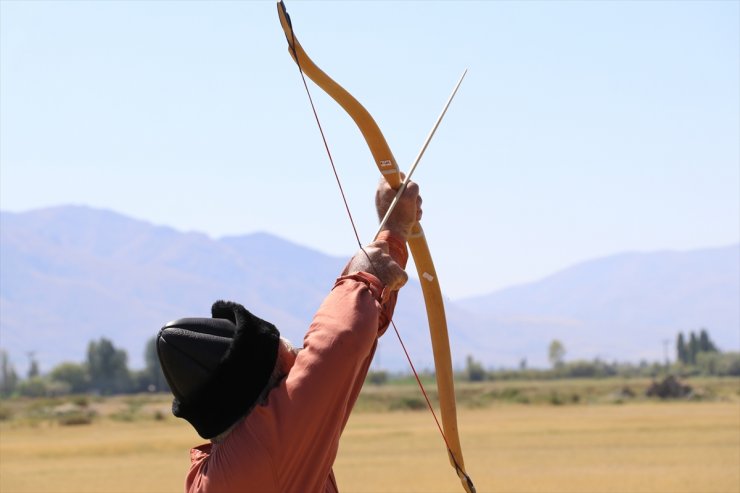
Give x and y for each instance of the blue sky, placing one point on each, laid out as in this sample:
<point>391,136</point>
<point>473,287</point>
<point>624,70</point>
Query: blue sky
<point>582,129</point>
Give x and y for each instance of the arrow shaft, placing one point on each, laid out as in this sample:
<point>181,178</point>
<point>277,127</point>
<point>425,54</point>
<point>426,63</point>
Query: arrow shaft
<point>406,180</point>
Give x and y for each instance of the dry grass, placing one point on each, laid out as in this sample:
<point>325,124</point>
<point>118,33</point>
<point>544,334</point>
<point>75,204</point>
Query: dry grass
<point>104,457</point>
<point>644,447</point>
<point>669,448</point>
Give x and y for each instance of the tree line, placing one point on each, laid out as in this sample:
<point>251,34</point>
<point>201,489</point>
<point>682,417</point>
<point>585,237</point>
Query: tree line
<point>696,354</point>
<point>104,372</point>
<point>689,352</point>
<point>105,369</point>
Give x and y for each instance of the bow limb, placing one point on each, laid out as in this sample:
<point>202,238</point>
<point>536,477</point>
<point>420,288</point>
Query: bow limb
<point>379,148</point>
<point>388,167</point>
<point>441,349</point>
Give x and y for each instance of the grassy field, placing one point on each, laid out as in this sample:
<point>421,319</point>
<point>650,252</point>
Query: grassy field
<point>645,446</point>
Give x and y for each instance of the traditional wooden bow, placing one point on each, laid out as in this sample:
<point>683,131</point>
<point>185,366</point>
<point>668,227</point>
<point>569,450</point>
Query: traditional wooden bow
<point>386,163</point>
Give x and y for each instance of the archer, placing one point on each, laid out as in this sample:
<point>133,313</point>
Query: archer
<point>273,414</point>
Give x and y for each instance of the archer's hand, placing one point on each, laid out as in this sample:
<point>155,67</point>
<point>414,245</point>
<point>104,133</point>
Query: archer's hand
<point>407,212</point>
<point>375,260</point>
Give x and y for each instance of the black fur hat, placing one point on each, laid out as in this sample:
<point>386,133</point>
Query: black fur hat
<point>217,367</point>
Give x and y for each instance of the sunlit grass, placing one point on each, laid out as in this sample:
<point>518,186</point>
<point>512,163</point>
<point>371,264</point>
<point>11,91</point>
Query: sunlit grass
<point>642,447</point>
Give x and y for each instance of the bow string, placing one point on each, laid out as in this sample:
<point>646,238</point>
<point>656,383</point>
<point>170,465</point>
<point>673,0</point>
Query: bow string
<point>386,164</point>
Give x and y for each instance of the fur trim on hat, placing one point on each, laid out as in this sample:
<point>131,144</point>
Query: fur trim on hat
<point>238,380</point>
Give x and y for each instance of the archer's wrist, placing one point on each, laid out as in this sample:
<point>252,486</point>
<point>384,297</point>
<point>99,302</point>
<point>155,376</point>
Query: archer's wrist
<point>396,246</point>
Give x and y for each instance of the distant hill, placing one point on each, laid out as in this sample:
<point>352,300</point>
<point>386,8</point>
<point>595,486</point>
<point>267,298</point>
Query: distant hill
<point>625,304</point>
<point>70,274</point>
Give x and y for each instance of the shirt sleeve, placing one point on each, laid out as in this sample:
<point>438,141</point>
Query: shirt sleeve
<point>308,411</point>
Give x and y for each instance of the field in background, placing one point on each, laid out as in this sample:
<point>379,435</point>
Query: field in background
<point>671,448</point>
<point>604,446</point>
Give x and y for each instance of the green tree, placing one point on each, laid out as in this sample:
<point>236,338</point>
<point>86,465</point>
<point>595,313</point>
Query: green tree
<point>682,353</point>
<point>107,367</point>
<point>556,353</point>
<point>33,368</point>
<point>33,387</point>
<point>705,343</point>
<point>377,377</point>
<point>707,362</point>
<point>474,370</point>
<point>8,376</point>
<point>729,364</point>
<point>74,375</point>
<point>718,364</point>
<point>693,348</point>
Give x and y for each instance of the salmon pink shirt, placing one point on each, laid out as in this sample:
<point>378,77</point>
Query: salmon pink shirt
<point>289,443</point>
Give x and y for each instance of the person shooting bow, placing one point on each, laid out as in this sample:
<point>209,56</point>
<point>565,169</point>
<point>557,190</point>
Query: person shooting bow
<point>274,414</point>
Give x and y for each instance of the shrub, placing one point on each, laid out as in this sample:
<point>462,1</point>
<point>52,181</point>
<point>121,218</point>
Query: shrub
<point>555,399</point>
<point>408,403</point>
<point>474,370</point>
<point>126,415</point>
<point>511,394</point>
<point>670,388</point>
<point>75,418</point>
<point>81,400</point>
<point>377,377</point>
<point>33,387</point>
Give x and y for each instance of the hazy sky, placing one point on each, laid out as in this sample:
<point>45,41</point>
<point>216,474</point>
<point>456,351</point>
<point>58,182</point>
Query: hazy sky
<point>583,128</point>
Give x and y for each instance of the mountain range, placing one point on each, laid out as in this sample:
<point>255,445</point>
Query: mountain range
<point>71,274</point>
